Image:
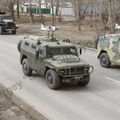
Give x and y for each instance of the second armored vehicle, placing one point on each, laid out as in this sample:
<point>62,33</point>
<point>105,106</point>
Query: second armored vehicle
<point>57,61</point>
<point>108,48</point>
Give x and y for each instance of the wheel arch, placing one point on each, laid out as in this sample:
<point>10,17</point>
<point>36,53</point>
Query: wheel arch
<point>102,51</point>
<point>23,57</point>
<point>19,45</point>
<point>1,24</point>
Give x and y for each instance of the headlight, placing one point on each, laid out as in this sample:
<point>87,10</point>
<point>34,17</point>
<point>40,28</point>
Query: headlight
<point>61,71</point>
<point>87,69</point>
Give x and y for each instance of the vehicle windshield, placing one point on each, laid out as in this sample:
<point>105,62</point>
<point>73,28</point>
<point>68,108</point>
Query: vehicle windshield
<point>5,17</point>
<point>61,51</point>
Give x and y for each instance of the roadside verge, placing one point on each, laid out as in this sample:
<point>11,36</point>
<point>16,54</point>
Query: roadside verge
<point>23,105</point>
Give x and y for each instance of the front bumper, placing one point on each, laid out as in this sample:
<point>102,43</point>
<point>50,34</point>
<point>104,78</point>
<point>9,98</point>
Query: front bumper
<point>76,73</point>
<point>10,30</point>
<point>76,78</point>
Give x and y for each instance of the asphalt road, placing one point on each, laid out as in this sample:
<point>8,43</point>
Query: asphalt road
<point>100,100</point>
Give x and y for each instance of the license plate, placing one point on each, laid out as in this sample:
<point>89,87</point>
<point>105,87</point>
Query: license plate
<point>77,78</point>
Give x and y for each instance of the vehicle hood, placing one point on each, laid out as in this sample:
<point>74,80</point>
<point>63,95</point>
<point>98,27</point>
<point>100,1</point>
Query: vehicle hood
<point>7,20</point>
<point>66,61</point>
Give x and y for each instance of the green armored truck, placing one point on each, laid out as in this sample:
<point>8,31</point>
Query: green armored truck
<point>108,49</point>
<point>7,24</point>
<point>57,61</point>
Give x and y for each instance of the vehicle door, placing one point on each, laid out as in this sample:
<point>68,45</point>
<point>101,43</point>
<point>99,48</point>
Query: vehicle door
<point>116,50</point>
<point>40,61</point>
<point>37,59</point>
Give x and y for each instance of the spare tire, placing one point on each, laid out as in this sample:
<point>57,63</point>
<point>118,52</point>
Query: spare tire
<point>19,45</point>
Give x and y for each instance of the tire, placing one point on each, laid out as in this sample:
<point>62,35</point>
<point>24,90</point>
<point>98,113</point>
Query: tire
<point>53,80</point>
<point>14,32</point>
<point>19,45</point>
<point>85,82</point>
<point>26,70</point>
<point>1,30</point>
<point>104,60</point>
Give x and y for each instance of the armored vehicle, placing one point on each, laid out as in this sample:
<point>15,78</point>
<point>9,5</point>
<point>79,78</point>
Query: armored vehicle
<point>7,24</point>
<point>57,61</point>
<point>108,49</point>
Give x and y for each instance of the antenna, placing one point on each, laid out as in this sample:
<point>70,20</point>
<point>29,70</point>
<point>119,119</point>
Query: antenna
<point>49,29</point>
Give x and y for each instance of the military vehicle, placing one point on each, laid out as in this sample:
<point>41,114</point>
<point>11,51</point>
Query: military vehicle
<point>7,24</point>
<point>108,49</point>
<point>57,61</point>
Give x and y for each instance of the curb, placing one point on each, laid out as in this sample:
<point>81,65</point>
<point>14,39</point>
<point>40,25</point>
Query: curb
<point>26,106</point>
<point>86,48</point>
<point>91,49</point>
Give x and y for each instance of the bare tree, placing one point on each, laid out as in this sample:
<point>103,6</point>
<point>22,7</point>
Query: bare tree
<point>57,7</point>
<point>10,4</point>
<point>110,17</point>
<point>18,12</point>
<point>79,14</point>
<point>77,9</point>
<point>30,11</point>
<point>40,12</point>
<point>53,13</point>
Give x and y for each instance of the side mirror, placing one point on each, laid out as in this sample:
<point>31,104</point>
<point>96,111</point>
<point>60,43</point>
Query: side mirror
<point>80,51</point>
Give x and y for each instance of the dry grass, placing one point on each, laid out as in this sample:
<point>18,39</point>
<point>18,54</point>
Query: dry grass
<point>67,29</point>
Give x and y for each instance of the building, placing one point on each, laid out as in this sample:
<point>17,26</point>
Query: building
<point>25,7</point>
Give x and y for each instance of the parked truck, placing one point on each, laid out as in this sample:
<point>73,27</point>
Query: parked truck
<point>7,25</point>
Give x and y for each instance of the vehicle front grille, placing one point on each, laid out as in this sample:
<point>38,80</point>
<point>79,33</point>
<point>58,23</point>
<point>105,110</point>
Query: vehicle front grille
<point>77,70</point>
<point>73,71</point>
<point>10,25</point>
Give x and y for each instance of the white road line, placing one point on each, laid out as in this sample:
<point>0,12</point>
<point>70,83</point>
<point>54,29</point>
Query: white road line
<point>13,45</point>
<point>114,80</point>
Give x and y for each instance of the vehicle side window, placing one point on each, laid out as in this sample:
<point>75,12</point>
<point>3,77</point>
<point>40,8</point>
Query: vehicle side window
<point>70,51</point>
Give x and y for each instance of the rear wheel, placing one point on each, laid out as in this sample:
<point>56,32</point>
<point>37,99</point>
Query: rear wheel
<point>26,70</point>
<point>53,80</point>
<point>85,81</point>
<point>104,60</point>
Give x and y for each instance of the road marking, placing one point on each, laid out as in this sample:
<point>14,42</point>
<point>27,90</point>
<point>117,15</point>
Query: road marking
<point>13,45</point>
<point>114,80</point>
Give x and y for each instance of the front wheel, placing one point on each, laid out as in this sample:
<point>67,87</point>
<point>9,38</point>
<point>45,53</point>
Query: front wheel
<point>53,80</point>
<point>26,70</point>
<point>104,60</point>
<point>1,30</point>
<point>14,32</point>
